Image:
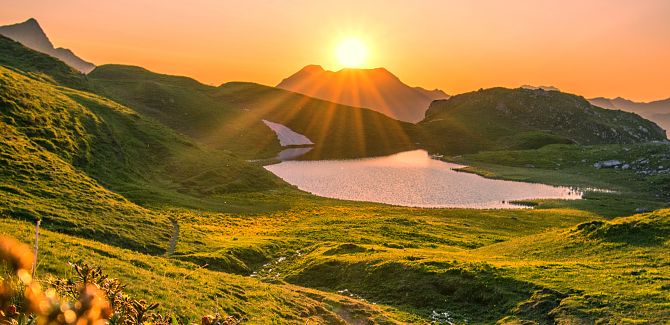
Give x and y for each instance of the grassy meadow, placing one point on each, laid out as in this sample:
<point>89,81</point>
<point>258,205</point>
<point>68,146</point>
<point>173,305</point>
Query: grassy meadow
<point>313,257</point>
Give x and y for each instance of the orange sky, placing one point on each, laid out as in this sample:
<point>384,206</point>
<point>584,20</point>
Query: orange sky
<point>593,48</point>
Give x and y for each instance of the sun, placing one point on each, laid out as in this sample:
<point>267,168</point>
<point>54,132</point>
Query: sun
<point>351,53</point>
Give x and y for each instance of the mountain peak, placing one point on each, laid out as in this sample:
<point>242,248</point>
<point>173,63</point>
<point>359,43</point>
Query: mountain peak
<point>31,35</point>
<point>309,70</point>
<point>31,25</point>
<point>375,70</point>
<point>621,99</point>
<point>374,88</point>
<point>31,21</point>
<point>312,67</point>
<point>545,88</point>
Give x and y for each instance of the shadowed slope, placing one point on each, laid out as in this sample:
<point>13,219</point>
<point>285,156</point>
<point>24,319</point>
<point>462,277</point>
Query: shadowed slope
<point>230,116</point>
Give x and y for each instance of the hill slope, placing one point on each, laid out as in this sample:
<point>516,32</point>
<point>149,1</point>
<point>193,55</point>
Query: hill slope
<point>89,143</point>
<point>377,89</point>
<point>656,111</point>
<point>500,118</point>
<point>30,34</point>
<point>230,116</point>
<point>39,66</point>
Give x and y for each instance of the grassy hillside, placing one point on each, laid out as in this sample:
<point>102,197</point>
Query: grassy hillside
<point>500,118</point>
<point>77,160</point>
<point>229,117</point>
<point>118,147</point>
<point>38,65</point>
<point>188,290</point>
<point>400,264</point>
<point>641,184</point>
<point>600,264</point>
<point>115,188</point>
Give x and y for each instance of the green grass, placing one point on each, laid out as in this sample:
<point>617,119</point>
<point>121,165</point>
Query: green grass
<point>572,165</point>
<point>110,181</point>
<point>23,60</point>
<point>190,290</point>
<point>229,117</point>
<point>477,265</point>
<point>82,163</point>
<point>500,118</point>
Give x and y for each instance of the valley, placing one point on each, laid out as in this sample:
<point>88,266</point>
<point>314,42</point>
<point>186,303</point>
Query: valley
<point>111,161</point>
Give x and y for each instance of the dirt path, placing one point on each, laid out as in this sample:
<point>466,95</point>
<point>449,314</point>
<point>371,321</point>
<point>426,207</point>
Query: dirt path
<point>173,238</point>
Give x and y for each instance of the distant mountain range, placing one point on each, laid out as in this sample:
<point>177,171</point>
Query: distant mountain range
<point>656,111</point>
<point>30,34</point>
<point>377,89</point>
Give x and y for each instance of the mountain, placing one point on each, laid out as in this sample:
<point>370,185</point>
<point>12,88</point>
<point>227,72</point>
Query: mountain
<point>501,118</point>
<point>547,88</point>
<point>30,34</point>
<point>376,89</point>
<point>231,116</point>
<point>434,94</point>
<point>657,111</point>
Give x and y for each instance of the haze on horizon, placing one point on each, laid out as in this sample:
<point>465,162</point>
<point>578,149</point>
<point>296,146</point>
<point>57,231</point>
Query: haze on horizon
<point>593,48</point>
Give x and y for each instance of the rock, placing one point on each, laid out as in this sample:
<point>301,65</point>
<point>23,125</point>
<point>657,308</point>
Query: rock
<point>625,166</point>
<point>640,210</point>
<point>607,164</point>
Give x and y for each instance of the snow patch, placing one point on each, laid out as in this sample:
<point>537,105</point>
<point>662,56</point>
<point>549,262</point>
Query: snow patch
<point>291,153</point>
<point>286,136</point>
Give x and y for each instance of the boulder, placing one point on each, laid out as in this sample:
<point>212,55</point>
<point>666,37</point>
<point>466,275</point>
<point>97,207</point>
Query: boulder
<point>607,164</point>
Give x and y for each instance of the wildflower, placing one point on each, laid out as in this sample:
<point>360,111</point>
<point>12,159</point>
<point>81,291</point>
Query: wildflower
<point>15,253</point>
<point>207,320</point>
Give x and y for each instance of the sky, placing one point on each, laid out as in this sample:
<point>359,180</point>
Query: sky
<point>593,48</point>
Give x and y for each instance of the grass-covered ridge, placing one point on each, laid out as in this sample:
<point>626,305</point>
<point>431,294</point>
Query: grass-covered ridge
<point>38,65</point>
<point>500,118</point>
<point>118,147</point>
<point>229,116</point>
<point>77,160</point>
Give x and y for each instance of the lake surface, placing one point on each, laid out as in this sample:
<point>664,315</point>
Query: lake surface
<point>411,179</point>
